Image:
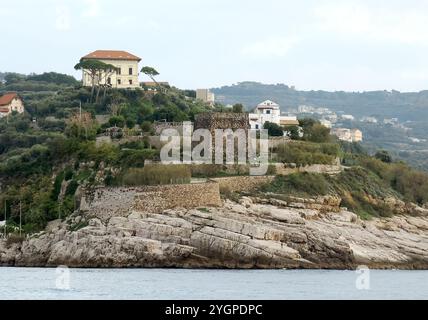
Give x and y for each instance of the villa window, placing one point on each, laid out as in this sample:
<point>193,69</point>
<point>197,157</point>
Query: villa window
<point>130,81</point>
<point>267,111</point>
<point>119,81</point>
<point>130,71</point>
<point>108,80</point>
<point>119,71</point>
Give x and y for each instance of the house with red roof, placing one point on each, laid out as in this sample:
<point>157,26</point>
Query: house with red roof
<point>10,102</point>
<point>126,74</point>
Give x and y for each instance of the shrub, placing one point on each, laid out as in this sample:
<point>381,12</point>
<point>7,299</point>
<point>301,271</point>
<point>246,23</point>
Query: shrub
<point>356,187</point>
<point>383,156</point>
<point>304,153</point>
<point>274,130</point>
<point>301,184</point>
<point>156,175</point>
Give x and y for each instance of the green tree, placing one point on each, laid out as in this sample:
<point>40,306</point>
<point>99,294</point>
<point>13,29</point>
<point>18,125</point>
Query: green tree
<point>150,72</point>
<point>293,132</point>
<point>238,108</point>
<point>82,126</point>
<point>53,77</point>
<point>130,123</point>
<point>383,156</point>
<point>97,71</point>
<point>146,126</point>
<point>273,129</point>
<point>314,131</point>
<point>117,121</point>
<point>11,78</point>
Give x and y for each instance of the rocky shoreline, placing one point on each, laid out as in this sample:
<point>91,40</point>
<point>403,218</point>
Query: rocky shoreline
<point>254,233</point>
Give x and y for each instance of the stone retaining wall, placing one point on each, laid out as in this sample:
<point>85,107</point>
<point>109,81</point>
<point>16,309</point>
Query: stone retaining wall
<point>242,183</point>
<point>282,169</point>
<point>105,203</point>
<point>188,196</point>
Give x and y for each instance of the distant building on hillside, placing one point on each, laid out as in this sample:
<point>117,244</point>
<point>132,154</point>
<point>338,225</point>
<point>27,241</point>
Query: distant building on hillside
<point>356,135</point>
<point>348,117</point>
<point>127,72</point>
<point>369,119</point>
<point>205,95</point>
<point>326,123</point>
<point>305,109</point>
<point>269,111</point>
<point>392,121</point>
<point>349,135</point>
<point>9,103</point>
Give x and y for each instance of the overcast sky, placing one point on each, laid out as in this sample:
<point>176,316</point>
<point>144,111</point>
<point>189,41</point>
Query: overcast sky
<point>312,44</point>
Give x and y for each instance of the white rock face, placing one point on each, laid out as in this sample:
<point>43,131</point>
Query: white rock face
<point>252,234</point>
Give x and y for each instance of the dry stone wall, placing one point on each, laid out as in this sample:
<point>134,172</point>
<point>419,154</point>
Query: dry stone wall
<point>105,203</point>
<point>160,198</point>
<point>217,120</point>
<point>243,183</point>
<point>284,170</point>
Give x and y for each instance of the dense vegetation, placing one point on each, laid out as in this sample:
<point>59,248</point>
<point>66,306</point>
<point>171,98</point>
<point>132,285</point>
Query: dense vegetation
<point>307,153</point>
<point>50,151</point>
<point>366,180</point>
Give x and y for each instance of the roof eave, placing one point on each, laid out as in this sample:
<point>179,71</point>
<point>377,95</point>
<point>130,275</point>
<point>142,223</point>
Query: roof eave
<point>116,59</point>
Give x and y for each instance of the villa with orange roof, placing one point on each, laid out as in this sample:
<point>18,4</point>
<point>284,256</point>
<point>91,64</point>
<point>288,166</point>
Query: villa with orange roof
<point>10,102</point>
<point>127,72</point>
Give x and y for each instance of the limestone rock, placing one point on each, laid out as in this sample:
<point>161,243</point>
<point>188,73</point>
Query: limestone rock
<point>255,233</point>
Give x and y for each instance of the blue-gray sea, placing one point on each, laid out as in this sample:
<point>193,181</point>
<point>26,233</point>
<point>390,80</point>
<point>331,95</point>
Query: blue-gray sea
<point>172,284</point>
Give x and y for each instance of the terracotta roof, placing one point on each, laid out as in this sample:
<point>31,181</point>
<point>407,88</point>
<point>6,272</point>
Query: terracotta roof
<point>111,55</point>
<point>7,98</point>
<point>4,110</point>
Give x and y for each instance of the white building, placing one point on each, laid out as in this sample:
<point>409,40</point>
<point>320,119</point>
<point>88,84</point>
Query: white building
<point>348,117</point>
<point>349,135</point>
<point>326,123</point>
<point>369,120</point>
<point>331,117</point>
<point>305,109</point>
<point>392,121</point>
<point>269,111</point>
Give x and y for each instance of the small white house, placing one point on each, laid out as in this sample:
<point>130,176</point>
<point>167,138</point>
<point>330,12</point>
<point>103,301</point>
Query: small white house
<point>269,111</point>
<point>10,102</point>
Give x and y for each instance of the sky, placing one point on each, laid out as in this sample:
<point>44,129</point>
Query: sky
<point>310,44</point>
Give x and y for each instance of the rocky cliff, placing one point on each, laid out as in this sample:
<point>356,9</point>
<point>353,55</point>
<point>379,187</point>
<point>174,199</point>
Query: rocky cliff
<point>254,233</point>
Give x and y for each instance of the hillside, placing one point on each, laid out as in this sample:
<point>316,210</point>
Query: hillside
<point>408,141</point>
<point>407,106</point>
<point>51,152</point>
